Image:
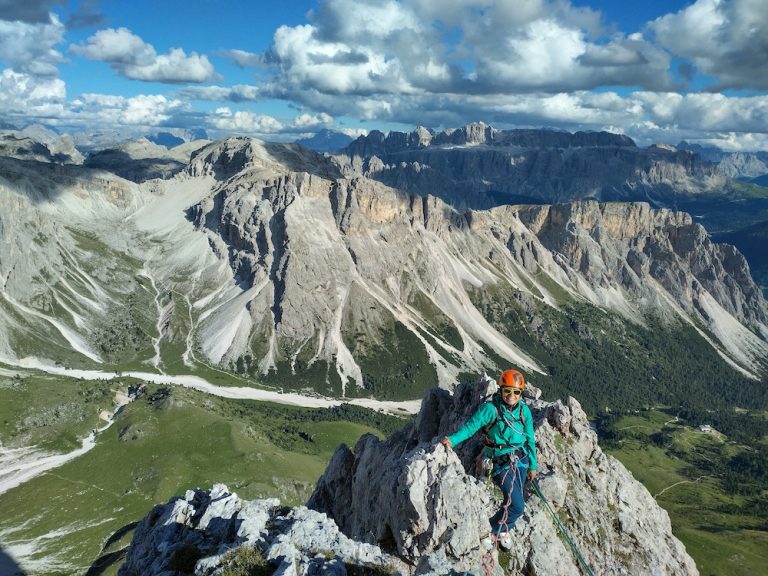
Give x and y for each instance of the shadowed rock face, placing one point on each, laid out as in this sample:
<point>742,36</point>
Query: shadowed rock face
<point>409,506</point>
<point>478,166</point>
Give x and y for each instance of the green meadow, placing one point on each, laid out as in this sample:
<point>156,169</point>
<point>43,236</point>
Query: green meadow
<point>80,516</point>
<point>718,513</point>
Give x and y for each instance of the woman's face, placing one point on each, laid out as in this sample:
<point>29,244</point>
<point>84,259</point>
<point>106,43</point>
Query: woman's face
<point>511,396</point>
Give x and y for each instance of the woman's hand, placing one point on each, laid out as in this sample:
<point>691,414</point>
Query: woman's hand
<point>445,442</point>
<point>531,474</point>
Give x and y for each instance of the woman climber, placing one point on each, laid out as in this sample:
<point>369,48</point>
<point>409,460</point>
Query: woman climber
<point>509,444</point>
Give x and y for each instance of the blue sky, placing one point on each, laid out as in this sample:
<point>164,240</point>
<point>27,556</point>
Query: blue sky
<point>658,71</point>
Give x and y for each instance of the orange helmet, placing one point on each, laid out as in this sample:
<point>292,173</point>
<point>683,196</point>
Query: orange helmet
<point>512,378</point>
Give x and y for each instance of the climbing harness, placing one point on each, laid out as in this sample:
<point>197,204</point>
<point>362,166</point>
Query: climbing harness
<point>563,531</point>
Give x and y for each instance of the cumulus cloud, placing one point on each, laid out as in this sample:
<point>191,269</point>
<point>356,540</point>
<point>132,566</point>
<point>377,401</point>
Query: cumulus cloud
<point>111,111</point>
<point>244,122</point>
<point>133,58</point>
<point>532,63</point>
<point>29,47</point>
<point>27,95</point>
<point>411,47</point>
<point>309,121</point>
<point>726,40</point>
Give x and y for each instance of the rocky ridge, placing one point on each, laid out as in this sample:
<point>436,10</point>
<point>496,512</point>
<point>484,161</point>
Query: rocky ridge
<point>141,159</point>
<point>40,147</point>
<point>409,506</point>
<point>478,166</point>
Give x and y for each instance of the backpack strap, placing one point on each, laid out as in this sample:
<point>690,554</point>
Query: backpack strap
<point>496,402</point>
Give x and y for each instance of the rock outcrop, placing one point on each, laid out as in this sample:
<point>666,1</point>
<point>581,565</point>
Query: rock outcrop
<point>140,160</point>
<point>407,505</point>
<point>198,532</point>
<point>53,148</point>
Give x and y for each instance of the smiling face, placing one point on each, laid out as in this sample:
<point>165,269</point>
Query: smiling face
<point>511,395</point>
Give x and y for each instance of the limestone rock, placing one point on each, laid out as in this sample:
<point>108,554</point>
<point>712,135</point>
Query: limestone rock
<point>198,530</point>
<point>408,505</point>
<point>413,498</point>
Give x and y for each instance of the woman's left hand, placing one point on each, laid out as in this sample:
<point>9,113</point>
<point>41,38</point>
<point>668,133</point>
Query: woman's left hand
<point>531,474</point>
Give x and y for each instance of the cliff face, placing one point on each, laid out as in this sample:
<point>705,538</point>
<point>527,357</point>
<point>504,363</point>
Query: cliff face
<point>410,506</point>
<point>480,167</point>
<point>327,257</point>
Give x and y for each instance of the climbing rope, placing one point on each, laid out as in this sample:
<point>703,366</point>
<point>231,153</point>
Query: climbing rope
<point>487,560</point>
<point>563,531</point>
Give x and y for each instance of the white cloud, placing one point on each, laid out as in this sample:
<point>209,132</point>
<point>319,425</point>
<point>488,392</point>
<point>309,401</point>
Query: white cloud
<point>133,58</point>
<point>23,94</point>
<point>244,122</point>
<point>726,40</point>
<point>118,47</point>
<point>109,110</point>
<point>30,47</point>
<point>353,132</point>
<point>384,50</point>
<point>150,110</point>
<point>174,67</point>
<point>707,111</point>
<point>307,121</point>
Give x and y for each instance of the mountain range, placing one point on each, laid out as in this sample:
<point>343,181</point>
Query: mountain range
<point>361,274</point>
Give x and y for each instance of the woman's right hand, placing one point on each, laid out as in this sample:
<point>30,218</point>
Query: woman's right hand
<point>445,442</point>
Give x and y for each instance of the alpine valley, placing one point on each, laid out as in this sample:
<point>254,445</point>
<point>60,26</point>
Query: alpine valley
<point>220,274</point>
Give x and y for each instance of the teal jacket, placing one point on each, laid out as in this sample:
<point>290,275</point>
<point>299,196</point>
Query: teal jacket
<point>509,430</point>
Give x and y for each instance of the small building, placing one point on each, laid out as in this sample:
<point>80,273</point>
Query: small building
<point>705,428</point>
<point>105,415</point>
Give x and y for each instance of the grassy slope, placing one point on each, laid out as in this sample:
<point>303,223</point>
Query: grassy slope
<point>599,357</point>
<point>721,543</point>
<point>47,412</point>
<point>154,452</point>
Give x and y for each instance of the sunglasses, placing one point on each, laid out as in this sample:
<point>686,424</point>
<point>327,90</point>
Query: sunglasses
<point>510,391</point>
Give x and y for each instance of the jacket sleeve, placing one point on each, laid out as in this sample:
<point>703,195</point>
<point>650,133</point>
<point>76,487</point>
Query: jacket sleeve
<point>530,438</point>
<point>482,417</point>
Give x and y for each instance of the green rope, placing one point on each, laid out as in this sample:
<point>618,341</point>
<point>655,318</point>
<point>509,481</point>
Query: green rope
<point>564,532</point>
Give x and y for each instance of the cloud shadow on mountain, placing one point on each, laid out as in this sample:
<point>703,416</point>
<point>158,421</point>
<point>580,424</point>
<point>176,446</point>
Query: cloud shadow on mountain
<point>298,158</point>
<point>135,170</point>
